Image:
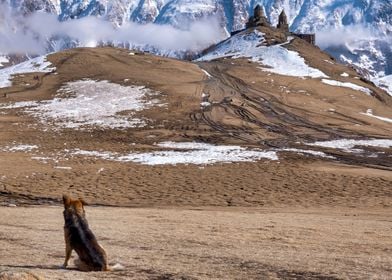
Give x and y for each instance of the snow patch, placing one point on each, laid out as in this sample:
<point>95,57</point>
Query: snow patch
<point>97,154</point>
<point>3,60</point>
<point>347,85</point>
<point>344,74</point>
<point>42,159</point>
<point>328,61</point>
<point>63,167</point>
<point>348,144</point>
<point>186,153</point>
<point>369,113</point>
<point>38,64</point>
<point>207,74</point>
<point>20,148</point>
<point>87,103</point>
<point>21,104</point>
<point>310,152</point>
<point>278,59</point>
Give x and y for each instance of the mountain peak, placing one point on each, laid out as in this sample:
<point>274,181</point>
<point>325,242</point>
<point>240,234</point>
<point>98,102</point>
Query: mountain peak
<point>356,32</point>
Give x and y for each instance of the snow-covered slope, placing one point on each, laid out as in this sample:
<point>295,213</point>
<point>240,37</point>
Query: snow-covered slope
<point>278,59</point>
<point>38,64</point>
<point>385,83</point>
<point>367,44</point>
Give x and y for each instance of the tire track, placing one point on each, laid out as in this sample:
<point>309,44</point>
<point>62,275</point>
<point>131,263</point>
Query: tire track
<point>281,119</point>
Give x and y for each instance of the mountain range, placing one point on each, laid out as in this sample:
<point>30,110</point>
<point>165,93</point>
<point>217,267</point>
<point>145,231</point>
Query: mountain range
<point>354,32</point>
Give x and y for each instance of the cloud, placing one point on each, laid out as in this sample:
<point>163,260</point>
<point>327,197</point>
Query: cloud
<point>32,34</point>
<point>347,35</point>
<point>14,37</point>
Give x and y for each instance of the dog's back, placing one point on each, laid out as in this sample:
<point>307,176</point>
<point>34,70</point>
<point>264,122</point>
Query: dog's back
<point>80,238</point>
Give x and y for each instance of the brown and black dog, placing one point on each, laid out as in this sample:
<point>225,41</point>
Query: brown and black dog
<point>79,237</point>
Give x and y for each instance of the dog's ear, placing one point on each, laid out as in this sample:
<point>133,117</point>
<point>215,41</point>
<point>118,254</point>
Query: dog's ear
<point>66,201</point>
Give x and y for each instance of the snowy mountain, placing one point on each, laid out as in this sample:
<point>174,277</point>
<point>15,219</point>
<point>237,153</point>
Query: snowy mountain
<point>3,60</point>
<point>356,32</point>
<point>303,15</point>
<point>385,83</point>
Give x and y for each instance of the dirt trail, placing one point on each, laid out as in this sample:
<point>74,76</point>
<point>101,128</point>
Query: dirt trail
<point>258,115</point>
<point>207,243</point>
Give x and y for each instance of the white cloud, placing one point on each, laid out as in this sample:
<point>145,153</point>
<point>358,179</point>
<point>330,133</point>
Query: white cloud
<point>347,35</point>
<point>30,34</point>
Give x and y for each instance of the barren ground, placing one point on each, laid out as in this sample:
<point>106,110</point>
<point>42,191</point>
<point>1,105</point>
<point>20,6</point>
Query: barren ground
<point>299,217</point>
<point>214,243</point>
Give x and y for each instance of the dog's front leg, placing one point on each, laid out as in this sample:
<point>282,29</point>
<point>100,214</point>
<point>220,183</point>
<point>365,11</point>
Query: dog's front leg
<point>68,251</point>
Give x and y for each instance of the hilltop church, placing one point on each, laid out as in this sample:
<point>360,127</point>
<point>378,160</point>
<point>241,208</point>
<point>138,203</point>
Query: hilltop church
<point>259,19</point>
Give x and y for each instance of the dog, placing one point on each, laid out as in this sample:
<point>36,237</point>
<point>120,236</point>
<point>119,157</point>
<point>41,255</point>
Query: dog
<point>79,237</point>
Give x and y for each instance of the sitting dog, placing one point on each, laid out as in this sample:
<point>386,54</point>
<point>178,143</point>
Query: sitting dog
<point>79,237</point>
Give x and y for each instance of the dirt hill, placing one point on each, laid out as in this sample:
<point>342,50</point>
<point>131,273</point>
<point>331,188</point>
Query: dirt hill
<point>226,101</point>
<point>262,120</point>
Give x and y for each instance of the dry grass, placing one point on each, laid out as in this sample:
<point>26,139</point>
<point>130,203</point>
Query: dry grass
<point>207,243</point>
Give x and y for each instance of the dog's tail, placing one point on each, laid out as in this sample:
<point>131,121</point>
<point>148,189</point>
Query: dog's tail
<point>116,267</point>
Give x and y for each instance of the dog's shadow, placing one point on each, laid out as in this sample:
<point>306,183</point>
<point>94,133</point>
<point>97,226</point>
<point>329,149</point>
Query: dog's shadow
<point>49,267</point>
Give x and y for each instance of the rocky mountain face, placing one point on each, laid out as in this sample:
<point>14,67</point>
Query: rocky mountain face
<point>367,44</point>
